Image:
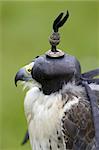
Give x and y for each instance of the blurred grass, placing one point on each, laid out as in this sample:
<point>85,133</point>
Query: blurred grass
<point>24,30</point>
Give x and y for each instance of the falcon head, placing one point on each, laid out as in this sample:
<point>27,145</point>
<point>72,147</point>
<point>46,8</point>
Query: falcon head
<point>25,77</point>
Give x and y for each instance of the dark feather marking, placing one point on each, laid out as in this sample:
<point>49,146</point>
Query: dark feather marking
<point>49,140</point>
<point>58,146</point>
<point>50,147</point>
<point>59,138</point>
<point>57,133</point>
<point>78,126</point>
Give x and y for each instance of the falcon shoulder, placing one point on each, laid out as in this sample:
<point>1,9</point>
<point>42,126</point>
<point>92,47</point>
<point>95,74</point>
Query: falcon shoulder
<point>76,123</point>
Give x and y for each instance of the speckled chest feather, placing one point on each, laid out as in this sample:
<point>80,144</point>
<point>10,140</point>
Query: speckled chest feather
<point>45,113</point>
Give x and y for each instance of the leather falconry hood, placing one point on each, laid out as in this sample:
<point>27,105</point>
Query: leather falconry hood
<point>55,67</point>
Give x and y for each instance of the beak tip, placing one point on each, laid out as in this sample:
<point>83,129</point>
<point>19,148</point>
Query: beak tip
<point>16,84</point>
<point>16,80</point>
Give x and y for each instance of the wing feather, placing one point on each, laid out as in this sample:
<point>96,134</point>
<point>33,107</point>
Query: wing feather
<point>77,125</point>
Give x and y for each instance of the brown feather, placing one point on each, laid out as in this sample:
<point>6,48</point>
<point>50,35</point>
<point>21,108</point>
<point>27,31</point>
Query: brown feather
<point>78,126</point>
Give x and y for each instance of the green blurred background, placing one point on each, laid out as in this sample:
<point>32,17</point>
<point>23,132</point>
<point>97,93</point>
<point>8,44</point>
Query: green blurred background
<point>24,30</point>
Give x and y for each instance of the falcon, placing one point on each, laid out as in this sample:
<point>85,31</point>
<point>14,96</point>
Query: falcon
<point>25,78</point>
<point>57,106</point>
<point>76,114</point>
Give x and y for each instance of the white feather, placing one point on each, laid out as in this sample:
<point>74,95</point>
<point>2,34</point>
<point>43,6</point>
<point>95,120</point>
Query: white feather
<point>44,113</point>
<point>30,84</point>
